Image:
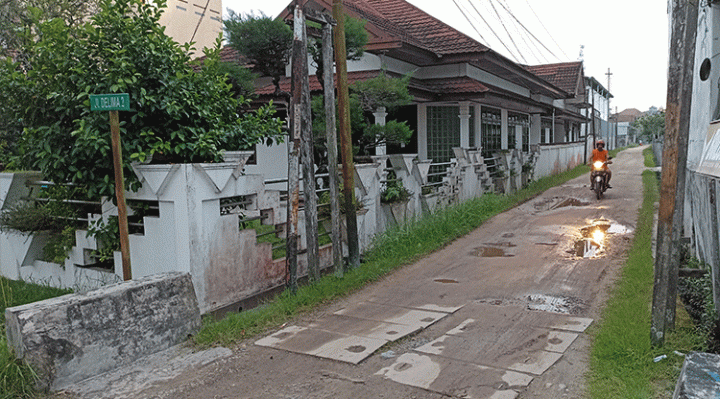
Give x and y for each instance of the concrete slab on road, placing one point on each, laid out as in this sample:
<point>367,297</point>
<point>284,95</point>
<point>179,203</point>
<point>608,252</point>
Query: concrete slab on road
<point>354,333</point>
<point>455,378</point>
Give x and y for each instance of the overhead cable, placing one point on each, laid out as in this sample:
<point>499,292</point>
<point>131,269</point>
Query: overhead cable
<point>530,44</point>
<point>546,30</point>
<point>469,21</point>
<point>493,32</point>
<point>506,31</point>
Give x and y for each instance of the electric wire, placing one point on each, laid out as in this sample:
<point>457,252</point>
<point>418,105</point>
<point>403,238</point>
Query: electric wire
<point>462,11</point>
<point>493,32</point>
<point>546,29</point>
<point>530,44</point>
<point>506,31</point>
<point>527,30</point>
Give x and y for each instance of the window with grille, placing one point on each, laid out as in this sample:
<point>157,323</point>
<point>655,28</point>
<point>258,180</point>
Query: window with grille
<point>443,132</point>
<point>546,126</point>
<point>491,130</point>
<point>515,120</point>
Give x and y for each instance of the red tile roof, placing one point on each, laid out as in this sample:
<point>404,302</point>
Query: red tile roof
<point>435,86</point>
<point>414,26</point>
<point>564,75</point>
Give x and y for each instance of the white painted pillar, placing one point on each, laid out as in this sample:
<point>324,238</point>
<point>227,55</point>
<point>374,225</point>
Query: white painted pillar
<point>535,128</point>
<point>380,116</point>
<point>464,125</point>
<point>518,137</point>
<point>504,129</point>
<point>478,126</point>
<point>422,131</point>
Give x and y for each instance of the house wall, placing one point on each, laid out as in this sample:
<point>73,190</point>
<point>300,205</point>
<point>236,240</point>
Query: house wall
<point>182,18</point>
<point>702,206</point>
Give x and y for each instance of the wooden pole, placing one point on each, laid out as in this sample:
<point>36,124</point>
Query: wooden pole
<point>120,194</point>
<point>307,151</point>
<point>345,140</point>
<point>331,138</point>
<point>294,157</point>
<point>681,63</point>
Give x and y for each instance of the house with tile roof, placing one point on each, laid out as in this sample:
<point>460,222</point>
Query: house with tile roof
<point>465,94</point>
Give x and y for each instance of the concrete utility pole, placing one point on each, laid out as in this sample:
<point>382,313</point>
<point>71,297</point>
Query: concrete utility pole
<point>345,141</point>
<point>331,138</point>
<point>681,63</point>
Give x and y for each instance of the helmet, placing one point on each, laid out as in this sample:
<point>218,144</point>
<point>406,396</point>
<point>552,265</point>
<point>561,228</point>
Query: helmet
<point>600,142</point>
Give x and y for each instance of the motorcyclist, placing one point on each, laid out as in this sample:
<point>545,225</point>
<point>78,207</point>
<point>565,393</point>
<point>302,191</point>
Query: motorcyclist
<point>601,154</point>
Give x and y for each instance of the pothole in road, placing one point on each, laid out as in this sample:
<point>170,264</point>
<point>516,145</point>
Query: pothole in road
<point>541,302</point>
<point>446,281</point>
<point>491,252</point>
<point>570,202</point>
<point>555,304</point>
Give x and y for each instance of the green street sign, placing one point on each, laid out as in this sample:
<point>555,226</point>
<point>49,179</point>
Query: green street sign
<point>110,102</point>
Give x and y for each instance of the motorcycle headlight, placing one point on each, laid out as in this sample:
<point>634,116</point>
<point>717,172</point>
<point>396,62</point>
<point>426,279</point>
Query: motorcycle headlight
<point>598,165</point>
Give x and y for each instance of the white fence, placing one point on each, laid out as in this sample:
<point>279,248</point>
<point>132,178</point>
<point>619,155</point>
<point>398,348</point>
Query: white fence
<point>195,230</point>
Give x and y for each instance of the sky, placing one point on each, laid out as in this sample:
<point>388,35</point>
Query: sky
<point>628,37</point>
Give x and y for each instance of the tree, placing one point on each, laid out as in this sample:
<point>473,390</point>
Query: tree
<point>650,126</point>
<point>366,97</point>
<point>19,18</point>
<point>266,42</point>
<point>356,38</point>
<point>176,113</point>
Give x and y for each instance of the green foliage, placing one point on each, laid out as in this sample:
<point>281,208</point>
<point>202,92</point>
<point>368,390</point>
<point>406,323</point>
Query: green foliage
<point>17,380</point>
<point>107,236</point>
<point>650,126</point>
<point>177,114</point>
<point>266,42</point>
<point>393,132</point>
<point>382,91</point>
<point>26,217</point>
<point>59,245</point>
<point>240,78</point>
<point>394,191</point>
<point>356,38</point>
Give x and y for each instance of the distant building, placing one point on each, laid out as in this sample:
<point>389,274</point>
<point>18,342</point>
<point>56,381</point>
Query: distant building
<point>198,21</point>
<point>622,122</point>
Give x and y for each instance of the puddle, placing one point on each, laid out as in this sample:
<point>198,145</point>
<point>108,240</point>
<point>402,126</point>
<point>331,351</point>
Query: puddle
<point>502,244</point>
<point>547,303</point>
<point>587,248</point>
<point>356,349</point>
<point>445,281</point>
<point>491,252</point>
<point>618,229</point>
<point>570,202</point>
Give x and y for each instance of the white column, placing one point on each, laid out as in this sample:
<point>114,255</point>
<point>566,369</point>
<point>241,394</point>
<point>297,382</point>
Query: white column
<point>503,129</point>
<point>464,125</point>
<point>518,137</point>
<point>422,131</point>
<point>380,116</point>
<point>478,126</point>
<point>535,128</point>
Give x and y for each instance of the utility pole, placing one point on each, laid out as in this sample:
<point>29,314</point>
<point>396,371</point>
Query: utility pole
<point>345,141</point>
<point>609,133</point>
<point>681,64</point>
<point>331,138</point>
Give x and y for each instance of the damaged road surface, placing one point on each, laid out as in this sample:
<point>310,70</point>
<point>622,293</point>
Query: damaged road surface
<point>500,313</point>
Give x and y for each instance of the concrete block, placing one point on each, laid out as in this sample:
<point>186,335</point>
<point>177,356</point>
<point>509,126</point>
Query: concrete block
<point>77,336</point>
<point>699,377</point>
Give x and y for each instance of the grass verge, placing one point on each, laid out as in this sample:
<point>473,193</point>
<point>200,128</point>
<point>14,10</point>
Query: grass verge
<point>621,364</point>
<point>17,380</point>
<point>396,247</point>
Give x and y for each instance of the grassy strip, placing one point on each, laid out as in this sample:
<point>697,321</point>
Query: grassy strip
<point>395,248</point>
<point>17,379</point>
<point>621,364</point>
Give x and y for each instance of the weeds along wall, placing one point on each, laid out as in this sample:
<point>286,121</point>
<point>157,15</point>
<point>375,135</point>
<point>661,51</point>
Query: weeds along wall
<point>226,228</point>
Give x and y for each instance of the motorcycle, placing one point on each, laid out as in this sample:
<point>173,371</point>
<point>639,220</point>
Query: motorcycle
<point>599,178</point>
